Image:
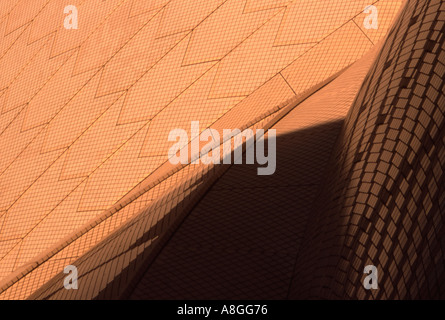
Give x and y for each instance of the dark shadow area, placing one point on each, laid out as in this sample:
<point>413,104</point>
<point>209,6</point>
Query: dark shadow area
<point>242,239</point>
<point>238,239</point>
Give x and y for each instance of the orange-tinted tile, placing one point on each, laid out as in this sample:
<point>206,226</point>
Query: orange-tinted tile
<point>141,6</point>
<point>86,154</point>
<point>387,11</point>
<point>184,15</point>
<point>23,13</point>
<point>258,5</point>
<point>92,14</point>
<point>181,112</point>
<point>254,62</point>
<point>311,21</point>
<point>55,94</point>
<point>77,116</point>
<point>110,37</point>
<point>136,58</point>
<point>327,58</point>
<point>223,31</point>
<point>163,83</point>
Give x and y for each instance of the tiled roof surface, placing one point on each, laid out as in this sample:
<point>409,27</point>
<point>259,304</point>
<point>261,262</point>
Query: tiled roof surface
<point>85,116</point>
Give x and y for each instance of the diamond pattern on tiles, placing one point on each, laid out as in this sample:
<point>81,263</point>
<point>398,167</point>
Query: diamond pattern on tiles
<point>223,31</point>
<point>161,85</point>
